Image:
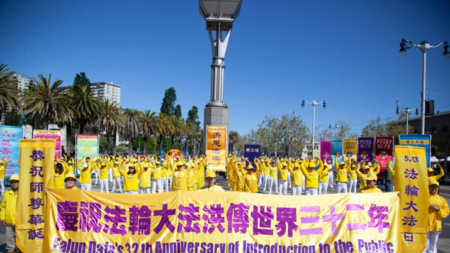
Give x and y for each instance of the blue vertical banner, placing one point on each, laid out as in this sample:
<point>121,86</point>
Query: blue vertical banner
<point>161,153</point>
<point>336,147</point>
<point>418,140</point>
<point>9,146</point>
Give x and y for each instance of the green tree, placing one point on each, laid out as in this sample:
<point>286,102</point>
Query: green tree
<point>168,104</point>
<point>233,138</point>
<point>374,128</point>
<point>110,120</point>
<point>193,116</point>
<point>48,100</point>
<point>85,106</point>
<point>12,119</point>
<point>177,112</point>
<point>131,128</point>
<point>149,127</point>
<point>9,94</point>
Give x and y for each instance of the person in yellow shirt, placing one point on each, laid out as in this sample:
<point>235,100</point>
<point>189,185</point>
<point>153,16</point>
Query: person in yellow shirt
<point>437,211</point>
<point>164,178</point>
<point>169,174</point>
<point>283,177</point>
<point>8,213</point>
<point>210,183</point>
<point>371,185</point>
<point>116,176</point>
<point>3,165</point>
<point>297,179</point>
<point>341,176</point>
<point>312,176</point>
<point>201,173</point>
<point>353,179</point>
<point>144,179</point>
<point>156,176</point>
<point>323,179</point>
<point>273,177</point>
<point>130,182</point>
<point>70,181</point>
<point>431,176</point>
<point>179,182</point>
<point>96,163</point>
<point>240,176</point>
<point>58,176</point>
<point>251,179</point>
<point>265,167</point>
<point>103,170</point>
<point>85,166</point>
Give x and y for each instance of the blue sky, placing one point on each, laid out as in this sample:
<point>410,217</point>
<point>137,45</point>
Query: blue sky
<point>280,52</point>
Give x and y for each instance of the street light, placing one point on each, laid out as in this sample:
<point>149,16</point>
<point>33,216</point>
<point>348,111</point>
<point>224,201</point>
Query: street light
<point>408,112</point>
<point>314,103</point>
<point>424,47</point>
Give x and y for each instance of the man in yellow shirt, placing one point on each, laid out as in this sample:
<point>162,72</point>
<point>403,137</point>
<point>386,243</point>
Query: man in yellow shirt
<point>323,179</point>
<point>116,176</point>
<point>283,177</point>
<point>273,177</point>
<point>144,179</point>
<point>156,176</point>
<point>437,211</point>
<point>8,213</point>
<point>431,176</point>
<point>341,177</point>
<point>371,185</point>
<point>351,169</point>
<point>312,176</point>
<point>251,179</point>
<point>85,166</point>
<point>179,182</point>
<point>210,183</point>
<point>297,179</point>
<point>104,177</point>
<point>3,166</point>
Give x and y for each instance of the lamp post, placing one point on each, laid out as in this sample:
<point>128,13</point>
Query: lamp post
<point>408,112</point>
<point>424,47</point>
<point>314,103</point>
<point>219,16</point>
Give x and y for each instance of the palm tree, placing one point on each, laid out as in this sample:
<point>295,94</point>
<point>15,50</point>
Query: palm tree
<point>163,127</point>
<point>109,119</point>
<point>131,127</point>
<point>178,127</point>
<point>149,127</point>
<point>9,94</point>
<point>48,100</point>
<point>85,105</point>
<point>233,138</point>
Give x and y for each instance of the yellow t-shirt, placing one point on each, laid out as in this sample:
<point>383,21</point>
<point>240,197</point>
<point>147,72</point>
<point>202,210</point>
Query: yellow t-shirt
<point>435,217</point>
<point>297,177</point>
<point>370,190</point>
<point>144,180</point>
<point>130,182</point>
<point>341,175</point>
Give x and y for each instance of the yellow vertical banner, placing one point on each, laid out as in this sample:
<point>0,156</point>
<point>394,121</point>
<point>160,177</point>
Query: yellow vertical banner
<point>350,145</point>
<point>36,163</point>
<point>216,160</point>
<point>216,138</point>
<point>411,181</point>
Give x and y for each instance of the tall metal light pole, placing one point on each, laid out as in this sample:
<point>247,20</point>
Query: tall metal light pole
<point>408,112</point>
<point>336,126</point>
<point>424,47</point>
<point>219,16</point>
<point>314,103</point>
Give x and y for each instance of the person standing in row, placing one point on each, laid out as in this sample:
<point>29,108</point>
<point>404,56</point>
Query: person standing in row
<point>312,175</point>
<point>323,179</point>
<point>297,179</point>
<point>341,177</point>
<point>8,213</point>
<point>3,166</point>
<point>437,211</point>
<point>86,167</point>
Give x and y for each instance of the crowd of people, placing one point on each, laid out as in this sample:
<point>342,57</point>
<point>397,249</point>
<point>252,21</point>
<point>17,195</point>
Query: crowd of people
<point>149,174</point>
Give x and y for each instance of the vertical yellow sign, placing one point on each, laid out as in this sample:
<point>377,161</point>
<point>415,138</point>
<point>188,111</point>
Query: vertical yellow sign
<point>216,137</point>
<point>36,170</point>
<point>411,181</point>
<point>216,160</point>
<point>350,145</point>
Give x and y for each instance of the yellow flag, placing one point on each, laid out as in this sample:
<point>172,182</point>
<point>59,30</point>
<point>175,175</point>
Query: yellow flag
<point>411,180</point>
<point>216,160</point>
<point>216,138</point>
<point>36,163</point>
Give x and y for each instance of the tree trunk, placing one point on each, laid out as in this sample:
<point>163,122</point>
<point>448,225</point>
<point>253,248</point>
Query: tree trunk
<point>107,140</point>
<point>145,145</point>
<point>82,126</point>
<point>160,142</point>
<point>114,142</point>
<point>68,136</point>
<point>130,145</point>
<point>34,122</point>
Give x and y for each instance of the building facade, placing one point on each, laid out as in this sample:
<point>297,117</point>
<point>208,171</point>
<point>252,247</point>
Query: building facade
<point>107,90</point>
<point>23,82</point>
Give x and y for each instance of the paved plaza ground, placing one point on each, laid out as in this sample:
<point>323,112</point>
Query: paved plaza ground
<point>443,243</point>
